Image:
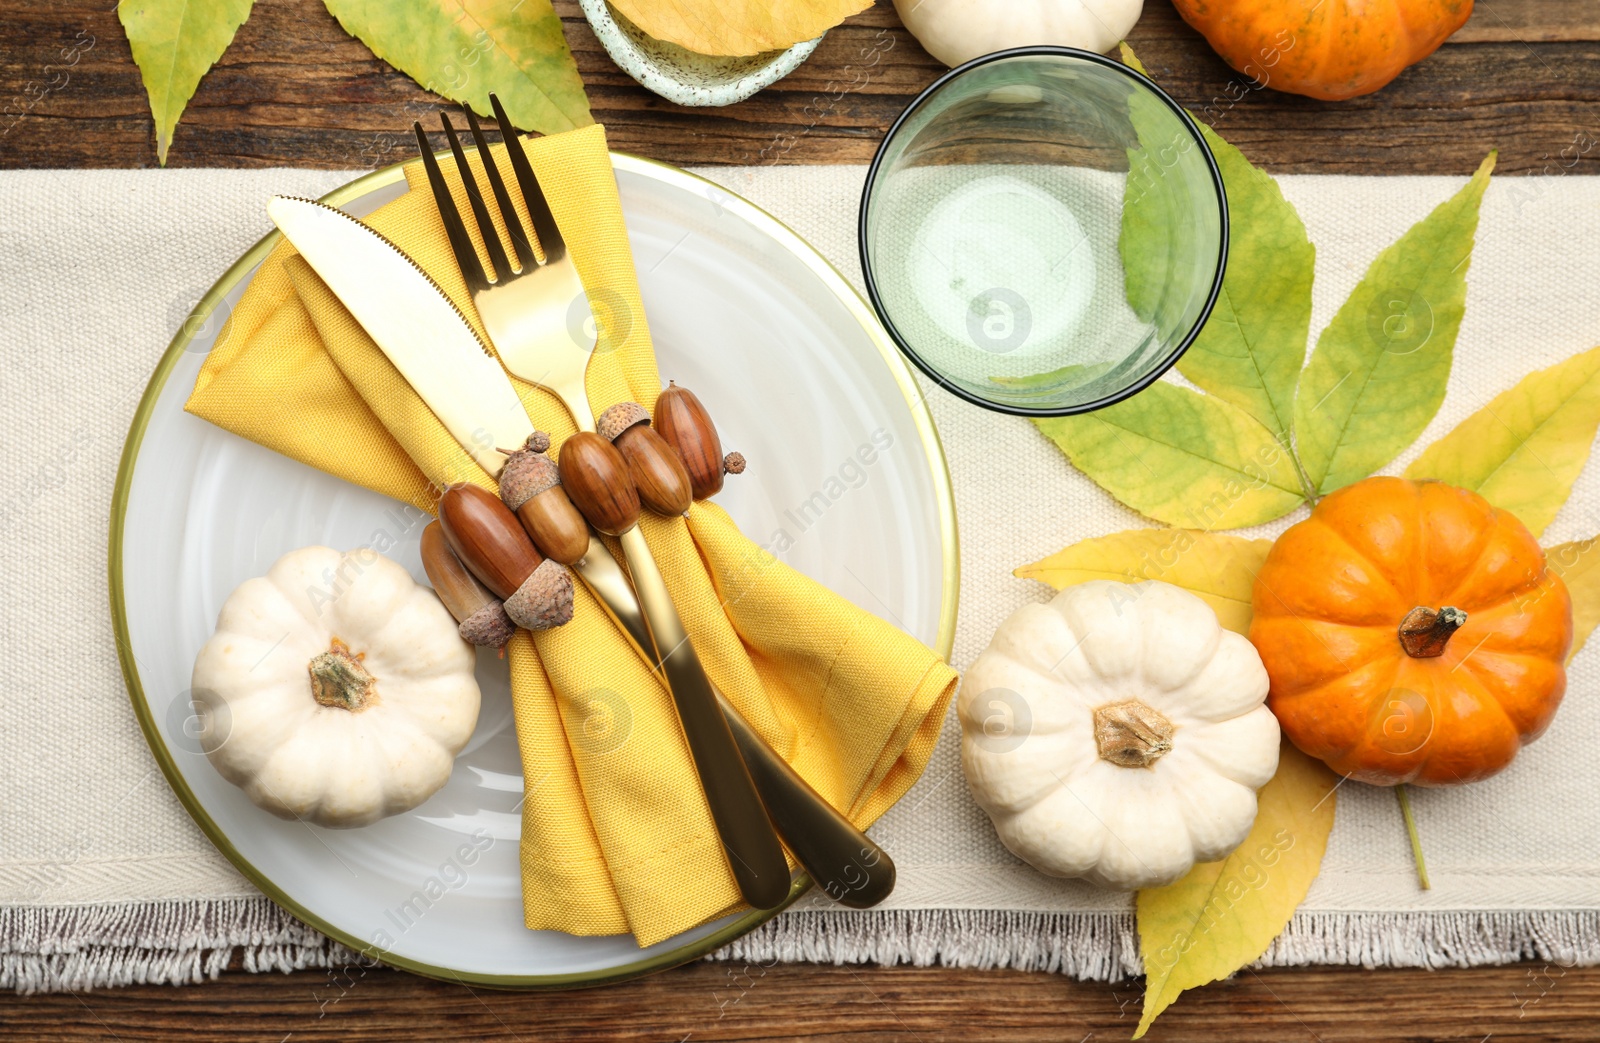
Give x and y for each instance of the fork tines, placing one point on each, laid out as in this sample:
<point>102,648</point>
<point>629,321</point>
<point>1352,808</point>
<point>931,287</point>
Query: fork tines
<point>500,253</point>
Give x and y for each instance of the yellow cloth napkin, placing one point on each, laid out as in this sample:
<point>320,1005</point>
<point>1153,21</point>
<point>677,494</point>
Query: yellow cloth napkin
<point>616,834</point>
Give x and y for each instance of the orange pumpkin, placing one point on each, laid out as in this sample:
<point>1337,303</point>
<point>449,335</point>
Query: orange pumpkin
<point>1328,49</point>
<point>1412,633</point>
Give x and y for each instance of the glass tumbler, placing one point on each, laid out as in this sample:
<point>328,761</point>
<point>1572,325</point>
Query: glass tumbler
<point>1043,231</point>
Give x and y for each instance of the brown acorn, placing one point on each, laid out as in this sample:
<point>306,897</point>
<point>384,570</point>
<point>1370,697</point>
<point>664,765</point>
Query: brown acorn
<point>686,426</point>
<point>531,486</point>
<point>481,616</point>
<point>491,543</point>
<point>596,478</point>
<point>656,469</point>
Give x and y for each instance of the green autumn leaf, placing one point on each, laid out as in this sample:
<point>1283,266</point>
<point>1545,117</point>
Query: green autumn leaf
<point>1523,450</point>
<point>1154,202</point>
<point>1220,569</point>
<point>1074,375</point>
<point>1252,348</point>
<point>1223,915</point>
<point>174,43</point>
<point>465,49</point>
<point>1378,373</point>
<point>1576,563</point>
<point>1182,458</point>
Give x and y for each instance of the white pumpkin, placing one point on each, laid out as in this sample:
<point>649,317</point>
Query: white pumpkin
<point>335,689</point>
<point>957,31</point>
<point>1118,733</point>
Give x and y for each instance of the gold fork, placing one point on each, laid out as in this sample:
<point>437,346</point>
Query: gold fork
<point>528,309</point>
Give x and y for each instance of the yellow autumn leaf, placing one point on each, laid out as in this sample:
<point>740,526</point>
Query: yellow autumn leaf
<point>469,49</point>
<point>1183,458</point>
<point>1523,450</point>
<point>737,27</point>
<point>1575,563</point>
<point>174,43</point>
<point>1223,915</point>
<point>1221,569</point>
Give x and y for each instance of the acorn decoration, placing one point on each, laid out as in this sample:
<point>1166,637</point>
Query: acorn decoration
<point>596,477</point>
<point>657,471</point>
<point>683,423</point>
<point>490,541</point>
<point>481,617</point>
<point>530,485</point>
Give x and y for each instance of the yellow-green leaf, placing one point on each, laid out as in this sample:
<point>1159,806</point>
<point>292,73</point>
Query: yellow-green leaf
<point>465,49</point>
<point>737,27</point>
<point>1523,450</point>
<point>1182,458</point>
<point>1130,59</point>
<point>1074,375</point>
<point>1378,373</point>
<point>1576,564</point>
<point>1223,915</point>
<point>1220,569</point>
<point>1155,200</point>
<point>1251,349</point>
<point>174,42</point>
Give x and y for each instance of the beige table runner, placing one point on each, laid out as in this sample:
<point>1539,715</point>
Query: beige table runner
<point>104,878</point>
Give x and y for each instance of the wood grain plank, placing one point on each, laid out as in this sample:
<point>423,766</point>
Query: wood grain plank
<point>711,1002</point>
<point>1530,21</point>
<point>294,89</point>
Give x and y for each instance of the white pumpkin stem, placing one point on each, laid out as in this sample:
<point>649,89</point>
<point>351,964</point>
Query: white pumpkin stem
<point>1131,734</point>
<point>338,679</point>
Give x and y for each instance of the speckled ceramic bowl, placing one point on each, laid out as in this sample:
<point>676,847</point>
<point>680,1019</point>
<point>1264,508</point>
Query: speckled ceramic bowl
<point>682,75</point>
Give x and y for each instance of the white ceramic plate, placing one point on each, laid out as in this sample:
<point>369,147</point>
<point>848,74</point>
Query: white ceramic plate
<point>798,374</point>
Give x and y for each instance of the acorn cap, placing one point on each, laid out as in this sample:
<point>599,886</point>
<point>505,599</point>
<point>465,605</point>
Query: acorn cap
<point>545,598</point>
<point>733,463</point>
<point>619,418</point>
<point>489,627</point>
<point>528,472</point>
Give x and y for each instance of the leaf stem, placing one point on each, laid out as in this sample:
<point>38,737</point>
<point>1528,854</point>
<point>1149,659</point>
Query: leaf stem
<point>1306,488</point>
<point>1416,841</point>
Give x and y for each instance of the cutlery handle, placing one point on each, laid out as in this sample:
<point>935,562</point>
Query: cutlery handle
<point>754,853</point>
<point>840,858</point>
<point>844,861</point>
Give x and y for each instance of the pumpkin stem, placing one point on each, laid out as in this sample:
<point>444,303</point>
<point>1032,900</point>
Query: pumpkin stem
<point>1425,632</point>
<point>1131,734</point>
<point>339,679</point>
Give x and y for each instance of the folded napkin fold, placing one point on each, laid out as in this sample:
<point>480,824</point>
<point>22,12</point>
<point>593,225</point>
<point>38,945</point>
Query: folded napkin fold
<point>616,835</point>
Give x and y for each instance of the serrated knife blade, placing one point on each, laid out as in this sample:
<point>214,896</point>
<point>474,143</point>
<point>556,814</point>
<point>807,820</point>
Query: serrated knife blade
<point>414,323</point>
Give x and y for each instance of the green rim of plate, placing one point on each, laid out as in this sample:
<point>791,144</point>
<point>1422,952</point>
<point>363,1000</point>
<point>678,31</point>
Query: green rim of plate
<point>949,548</point>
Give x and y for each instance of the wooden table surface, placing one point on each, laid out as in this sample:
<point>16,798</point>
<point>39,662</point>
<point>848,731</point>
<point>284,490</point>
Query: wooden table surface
<point>1523,77</point>
<point>294,90</point>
